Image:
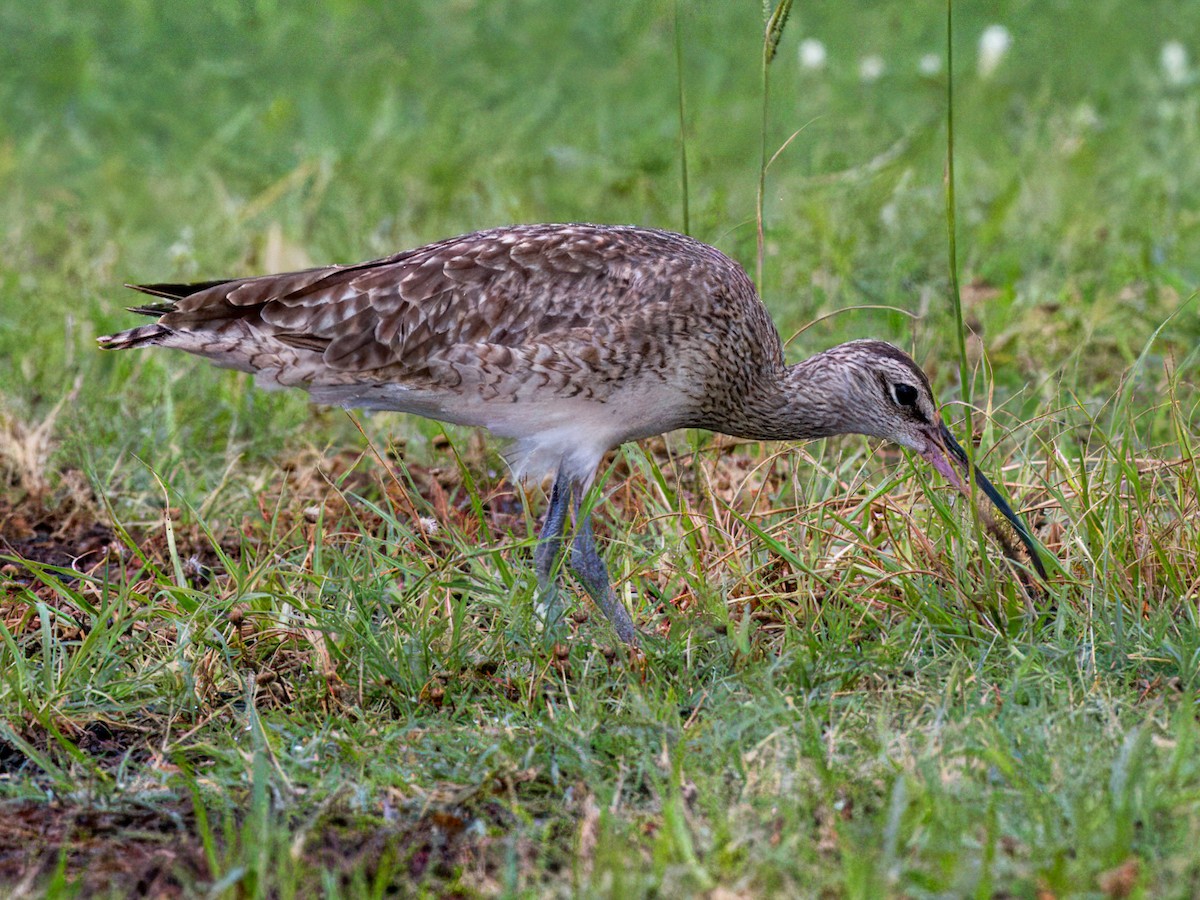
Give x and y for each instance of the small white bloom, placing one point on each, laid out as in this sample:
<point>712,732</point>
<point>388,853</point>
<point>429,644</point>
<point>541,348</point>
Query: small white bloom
<point>1174,62</point>
<point>889,216</point>
<point>994,44</point>
<point>930,64</point>
<point>812,54</point>
<point>1085,117</point>
<point>870,68</point>
<point>183,249</point>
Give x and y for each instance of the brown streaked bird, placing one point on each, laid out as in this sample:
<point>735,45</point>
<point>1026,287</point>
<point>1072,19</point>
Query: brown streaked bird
<point>567,340</point>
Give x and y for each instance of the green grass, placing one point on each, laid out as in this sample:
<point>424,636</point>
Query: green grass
<point>293,658</point>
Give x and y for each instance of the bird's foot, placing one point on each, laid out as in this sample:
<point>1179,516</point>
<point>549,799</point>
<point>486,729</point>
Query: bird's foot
<point>619,616</point>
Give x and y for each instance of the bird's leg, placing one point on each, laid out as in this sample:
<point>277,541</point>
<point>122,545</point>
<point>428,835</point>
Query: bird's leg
<point>589,568</point>
<point>545,556</point>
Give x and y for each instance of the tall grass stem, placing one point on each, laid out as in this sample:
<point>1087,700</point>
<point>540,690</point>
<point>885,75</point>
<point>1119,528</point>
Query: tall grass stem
<point>683,159</point>
<point>951,229</point>
<point>771,35</point>
<point>960,332</point>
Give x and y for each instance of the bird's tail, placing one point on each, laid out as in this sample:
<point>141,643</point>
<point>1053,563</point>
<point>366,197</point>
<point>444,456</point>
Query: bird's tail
<point>149,335</point>
<point>142,336</point>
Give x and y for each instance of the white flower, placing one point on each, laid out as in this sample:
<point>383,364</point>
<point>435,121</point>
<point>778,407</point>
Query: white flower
<point>889,216</point>
<point>812,54</point>
<point>1085,117</point>
<point>1174,62</point>
<point>994,44</point>
<point>871,67</point>
<point>182,250</point>
<point>930,64</point>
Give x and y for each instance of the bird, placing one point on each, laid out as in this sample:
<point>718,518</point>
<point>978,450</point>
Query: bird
<point>565,341</point>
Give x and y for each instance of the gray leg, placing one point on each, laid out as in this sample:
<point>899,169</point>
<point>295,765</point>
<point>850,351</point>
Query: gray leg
<point>589,568</point>
<point>549,545</point>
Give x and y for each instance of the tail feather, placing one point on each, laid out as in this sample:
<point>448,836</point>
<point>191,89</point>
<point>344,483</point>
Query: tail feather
<point>170,291</point>
<point>142,336</point>
<point>149,335</point>
<point>152,309</point>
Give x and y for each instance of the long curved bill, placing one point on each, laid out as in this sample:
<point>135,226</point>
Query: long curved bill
<point>946,455</point>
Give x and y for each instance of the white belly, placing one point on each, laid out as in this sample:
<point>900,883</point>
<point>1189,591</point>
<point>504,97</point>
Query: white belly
<point>554,434</point>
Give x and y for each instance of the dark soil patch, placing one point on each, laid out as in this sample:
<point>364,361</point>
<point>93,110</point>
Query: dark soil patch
<point>64,538</point>
<point>60,558</point>
<point>442,846</point>
<point>72,551</point>
<point>78,546</point>
<point>108,744</point>
<point>134,852</point>
<point>153,851</point>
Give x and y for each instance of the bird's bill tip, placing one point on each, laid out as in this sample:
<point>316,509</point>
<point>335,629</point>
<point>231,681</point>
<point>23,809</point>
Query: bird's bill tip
<point>948,457</point>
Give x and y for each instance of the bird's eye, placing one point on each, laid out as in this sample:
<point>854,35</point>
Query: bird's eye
<point>904,394</point>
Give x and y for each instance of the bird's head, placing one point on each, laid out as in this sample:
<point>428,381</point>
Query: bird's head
<point>883,393</point>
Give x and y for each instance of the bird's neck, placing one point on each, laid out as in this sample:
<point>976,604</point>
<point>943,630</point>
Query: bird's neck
<point>797,403</point>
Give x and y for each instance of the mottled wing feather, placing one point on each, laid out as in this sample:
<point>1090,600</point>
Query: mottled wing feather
<point>264,289</point>
<point>564,308</point>
<point>403,313</point>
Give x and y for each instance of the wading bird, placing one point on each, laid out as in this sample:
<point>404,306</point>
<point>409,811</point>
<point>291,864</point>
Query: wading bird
<point>567,340</point>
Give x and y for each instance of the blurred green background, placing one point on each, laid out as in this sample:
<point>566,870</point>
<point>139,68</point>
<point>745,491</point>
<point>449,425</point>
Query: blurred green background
<point>153,141</point>
<point>146,141</point>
